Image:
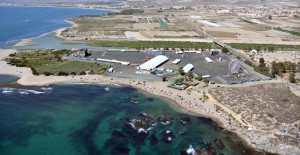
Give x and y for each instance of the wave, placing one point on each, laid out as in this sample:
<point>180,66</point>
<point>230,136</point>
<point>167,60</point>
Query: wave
<point>7,90</point>
<point>35,92</point>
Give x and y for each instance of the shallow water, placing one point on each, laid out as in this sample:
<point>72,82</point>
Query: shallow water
<point>7,79</point>
<point>50,41</point>
<point>89,119</point>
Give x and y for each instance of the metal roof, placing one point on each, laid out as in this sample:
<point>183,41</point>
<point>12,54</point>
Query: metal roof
<point>208,60</point>
<point>187,68</point>
<point>176,61</point>
<point>153,63</point>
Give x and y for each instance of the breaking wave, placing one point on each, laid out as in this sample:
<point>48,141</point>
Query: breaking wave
<point>42,90</point>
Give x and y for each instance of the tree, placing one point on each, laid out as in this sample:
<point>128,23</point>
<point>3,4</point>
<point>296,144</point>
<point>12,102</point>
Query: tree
<point>62,73</point>
<point>261,60</point>
<point>270,17</point>
<point>82,73</point>
<point>47,73</point>
<point>225,50</point>
<point>199,78</point>
<point>180,70</point>
<point>34,72</point>
<point>190,74</point>
<point>258,48</point>
<point>292,78</point>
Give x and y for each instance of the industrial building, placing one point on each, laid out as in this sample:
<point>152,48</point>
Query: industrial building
<point>113,61</point>
<point>153,63</point>
<point>188,68</point>
<point>208,60</point>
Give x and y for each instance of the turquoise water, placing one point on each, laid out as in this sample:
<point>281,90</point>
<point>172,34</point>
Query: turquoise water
<point>92,119</point>
<point>52,42</point>
<point>7,79</point>
<point>28,22</point>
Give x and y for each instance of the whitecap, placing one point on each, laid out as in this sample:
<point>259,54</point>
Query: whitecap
<point>46,88</point>
<point>141,130</point>
<point>24,93</point>
<point>191,151</point>
<point>7,91</point>
<point>35,92</point>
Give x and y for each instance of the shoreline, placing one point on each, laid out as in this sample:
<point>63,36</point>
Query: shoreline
<point>186,103</point>
<point>29,41</point>
<point>71,7</point>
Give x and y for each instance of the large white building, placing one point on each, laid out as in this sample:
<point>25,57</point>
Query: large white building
<point>153,63</point>
<point>188,68</point>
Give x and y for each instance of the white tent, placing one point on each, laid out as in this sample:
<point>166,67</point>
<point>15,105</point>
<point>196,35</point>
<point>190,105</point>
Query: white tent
<point>176,61</point>
<point>187,68</point>
<point>208,60</point>
<point>153,63</point>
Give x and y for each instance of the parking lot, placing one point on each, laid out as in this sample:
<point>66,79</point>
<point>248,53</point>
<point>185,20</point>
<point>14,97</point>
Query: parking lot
<point>218,69</point>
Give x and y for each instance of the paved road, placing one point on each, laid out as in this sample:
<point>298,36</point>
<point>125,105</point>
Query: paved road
<point>222,44</point>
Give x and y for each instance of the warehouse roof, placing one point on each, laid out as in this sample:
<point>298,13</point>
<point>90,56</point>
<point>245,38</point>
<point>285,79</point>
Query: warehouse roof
<point>208,60</point>
<point>176,61</point>
<point>153,63</point>
<point>187,68</point>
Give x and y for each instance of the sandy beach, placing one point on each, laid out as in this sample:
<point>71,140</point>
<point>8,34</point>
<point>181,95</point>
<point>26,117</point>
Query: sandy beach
<point>187,102</point>
<point>59,31</point>
<point>24,42</point>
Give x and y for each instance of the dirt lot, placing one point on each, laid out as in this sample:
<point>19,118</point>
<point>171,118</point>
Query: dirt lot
<point>219,34</point>
<point>263,105</point>
<point>278,56</point>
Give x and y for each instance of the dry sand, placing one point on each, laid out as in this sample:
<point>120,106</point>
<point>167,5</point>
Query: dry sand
<point>24,42</point>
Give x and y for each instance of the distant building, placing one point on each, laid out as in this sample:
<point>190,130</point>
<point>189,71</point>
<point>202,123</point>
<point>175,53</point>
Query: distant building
<point>175,62</point>
<point>111,70</point>
<point>153,63</point>
<point>188,68</point>
<point>215,52</point>
<point>253,52</point>
<point>208,60</point>
<point>84,52</point>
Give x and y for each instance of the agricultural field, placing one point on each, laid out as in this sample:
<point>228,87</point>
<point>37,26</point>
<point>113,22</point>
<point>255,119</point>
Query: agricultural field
<point>118,26</point>
<point>233,29</point>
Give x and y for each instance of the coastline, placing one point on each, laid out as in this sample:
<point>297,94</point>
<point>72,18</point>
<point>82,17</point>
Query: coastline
<point>70,7</point>
<point>29,41</point>
<point>57,32</point>
<point>180,99</point>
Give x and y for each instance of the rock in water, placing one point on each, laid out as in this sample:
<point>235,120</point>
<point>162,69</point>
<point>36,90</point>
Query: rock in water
<point>219,143</point>
<point>185,120</point>
<point>153,139</point>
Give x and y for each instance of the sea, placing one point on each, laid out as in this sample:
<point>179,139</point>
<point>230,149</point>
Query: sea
<point>85,119</point>
<point>31,22</point>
